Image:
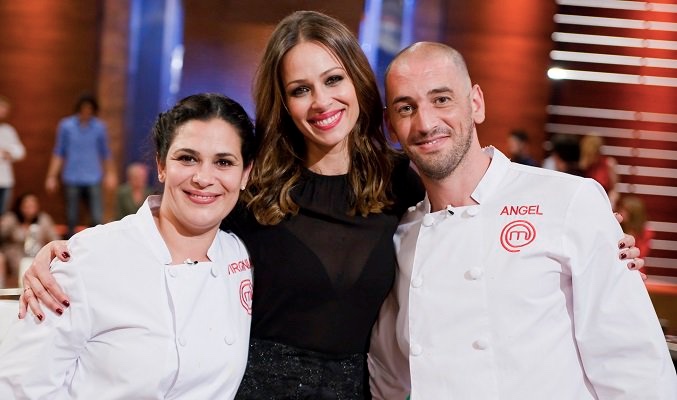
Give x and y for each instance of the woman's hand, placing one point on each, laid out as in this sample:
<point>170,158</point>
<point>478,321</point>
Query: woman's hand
<point>629,252</point>
<point>40,286</point>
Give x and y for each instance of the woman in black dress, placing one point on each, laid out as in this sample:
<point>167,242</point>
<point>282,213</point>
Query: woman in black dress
<point>324,199</point>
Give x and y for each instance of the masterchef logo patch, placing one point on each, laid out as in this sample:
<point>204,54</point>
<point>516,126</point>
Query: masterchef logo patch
<point>246,292</point>
<point>517,234</point>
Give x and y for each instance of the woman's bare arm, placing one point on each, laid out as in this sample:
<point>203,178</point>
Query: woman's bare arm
<point>41,288</point>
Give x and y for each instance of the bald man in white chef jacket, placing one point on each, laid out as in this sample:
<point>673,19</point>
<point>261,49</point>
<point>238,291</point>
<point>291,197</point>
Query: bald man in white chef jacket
<point>508,285</point>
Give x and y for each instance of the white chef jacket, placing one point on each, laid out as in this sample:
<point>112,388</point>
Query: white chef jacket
<point>9,141</point>
<point>519,297</point>
<point>137,327</point>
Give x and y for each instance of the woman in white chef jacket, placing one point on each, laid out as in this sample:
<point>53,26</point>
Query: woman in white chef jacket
<point>160,300</point>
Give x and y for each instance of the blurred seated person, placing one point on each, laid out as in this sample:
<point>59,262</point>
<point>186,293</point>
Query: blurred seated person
<point>131,195</point>
<point>518,148</point>
<point>566,154</point>
<point>23,231</point>
<point>633,210</point>
<point>599,167</point>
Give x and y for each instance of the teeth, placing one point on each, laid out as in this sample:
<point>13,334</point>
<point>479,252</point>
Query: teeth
<point>202,197</point>
<point>329,120</point>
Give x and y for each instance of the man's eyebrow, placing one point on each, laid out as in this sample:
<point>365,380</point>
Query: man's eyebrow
<point>408,99</point>
<point>401,99</point>
<point>439,90</point>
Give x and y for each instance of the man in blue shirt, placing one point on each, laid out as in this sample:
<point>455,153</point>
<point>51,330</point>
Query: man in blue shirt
<point>82,155</point>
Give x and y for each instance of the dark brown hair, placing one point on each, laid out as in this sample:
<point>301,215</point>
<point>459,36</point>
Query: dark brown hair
<point>282,150</point>
<point>203,107</point>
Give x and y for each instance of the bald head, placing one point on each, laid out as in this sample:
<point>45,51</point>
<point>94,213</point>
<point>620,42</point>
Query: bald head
<point>422,51</point>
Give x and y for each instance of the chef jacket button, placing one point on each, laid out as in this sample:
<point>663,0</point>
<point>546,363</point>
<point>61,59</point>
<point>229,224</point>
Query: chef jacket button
<point>475,273</point>
<point>182,341</point>
<point>428,220</point>
<point>173,272</point>
<point>473,210</point>
<point>481,344</point>
<point>417,282</point>
<point>215,270</point>
<point>411,209</point>
<point>229,339</point>
<point>416,350</point>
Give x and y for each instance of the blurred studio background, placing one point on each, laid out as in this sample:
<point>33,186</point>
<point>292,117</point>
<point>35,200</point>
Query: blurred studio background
<point>566,82</point>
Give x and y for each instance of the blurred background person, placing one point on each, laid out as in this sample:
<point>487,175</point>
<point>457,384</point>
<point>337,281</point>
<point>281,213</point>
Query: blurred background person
<point>131,195</point>
<point>633,210</point>
<point>599,167</point>
<point>549,159</point>
<point>566,154</point>
<point>82,155</point>
<point>518,148</point>
<point>11,150</point>
<point>23,231</point>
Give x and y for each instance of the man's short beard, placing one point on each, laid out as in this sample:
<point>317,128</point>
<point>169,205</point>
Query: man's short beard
<point>444,165</point>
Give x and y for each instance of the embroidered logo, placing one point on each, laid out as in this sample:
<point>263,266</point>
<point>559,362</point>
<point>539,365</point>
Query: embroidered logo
<point>246,292</point>
<point>517,234</point>
<point>239,266</point>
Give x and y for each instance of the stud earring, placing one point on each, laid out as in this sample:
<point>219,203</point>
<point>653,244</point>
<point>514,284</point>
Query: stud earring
<point>242,187</point>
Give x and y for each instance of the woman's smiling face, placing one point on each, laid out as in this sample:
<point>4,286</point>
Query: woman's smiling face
<point>202,174</point>
<point>320,97</point>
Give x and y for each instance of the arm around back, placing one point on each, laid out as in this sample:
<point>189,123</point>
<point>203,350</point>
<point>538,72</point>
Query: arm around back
<point>388,367</point>
<point>620,341</point>
<point>43,286</point>
<point>37,359</point>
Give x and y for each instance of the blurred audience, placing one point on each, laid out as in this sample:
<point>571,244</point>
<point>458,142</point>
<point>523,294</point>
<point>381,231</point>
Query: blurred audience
<point>82,156</point>
<point>566,154</point>
<point>131,195</point>
<point>549,159</point>
<point>11,150</point>
<point>23,231</point>
<point>599,167</point>
<point>518,148</point>
<point>633,210</point>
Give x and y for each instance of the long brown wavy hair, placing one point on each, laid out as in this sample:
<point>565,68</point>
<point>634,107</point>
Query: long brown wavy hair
<point>281,146</point>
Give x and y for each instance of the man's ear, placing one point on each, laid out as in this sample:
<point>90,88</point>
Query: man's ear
<point>477,101</point>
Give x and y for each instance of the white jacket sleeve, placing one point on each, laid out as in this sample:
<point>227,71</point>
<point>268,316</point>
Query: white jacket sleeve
<point>37,358</point>
<point>14,146</point>
<point>388,367</point>
<point>621,344</point>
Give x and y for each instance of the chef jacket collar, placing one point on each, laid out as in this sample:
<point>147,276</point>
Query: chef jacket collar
<point>156,244</point>
<point>490,182</point>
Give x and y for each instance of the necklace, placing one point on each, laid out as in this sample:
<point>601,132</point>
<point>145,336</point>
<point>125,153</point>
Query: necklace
<point>188,261</point>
